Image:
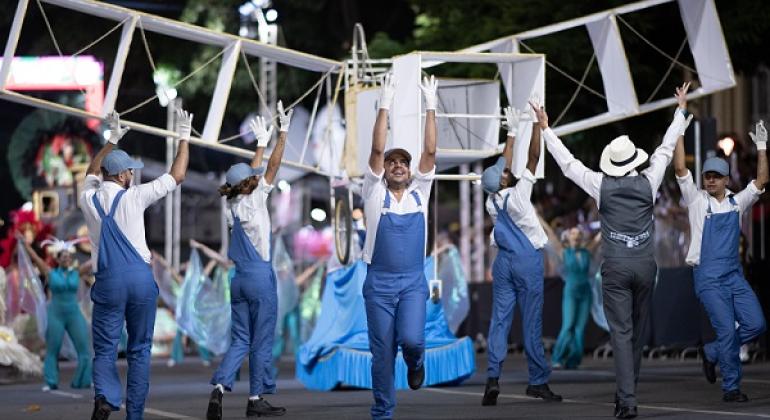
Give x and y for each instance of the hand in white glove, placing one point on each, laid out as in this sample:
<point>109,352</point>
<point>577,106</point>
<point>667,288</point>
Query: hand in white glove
<point>429,87</point>
<point>284,119</point>
<point>116,131</point>
<point>259,128</point>
<point>512,117</point>
<point>387,91</point>
<point>759,137</point>
<point>183,124</point>
<point>686,124</point>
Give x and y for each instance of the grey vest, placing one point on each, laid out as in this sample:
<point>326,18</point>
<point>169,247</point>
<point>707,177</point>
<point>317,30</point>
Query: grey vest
<point>626,215</point>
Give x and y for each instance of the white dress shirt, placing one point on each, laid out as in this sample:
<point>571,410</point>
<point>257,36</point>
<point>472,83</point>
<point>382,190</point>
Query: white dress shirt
<point>374,190</point>
<point>254,215</point>
<point>591,181</point>
<point>520,209</point>
<point>129,216</point>
<point>698,201</point>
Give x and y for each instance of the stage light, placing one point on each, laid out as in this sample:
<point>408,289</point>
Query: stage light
<point>727,144</point>
<point>284,186</point>
<point>271,15</point>
<point>319,215</point>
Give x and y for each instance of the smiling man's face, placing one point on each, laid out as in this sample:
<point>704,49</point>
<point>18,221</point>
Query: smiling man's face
<point>397,171</point>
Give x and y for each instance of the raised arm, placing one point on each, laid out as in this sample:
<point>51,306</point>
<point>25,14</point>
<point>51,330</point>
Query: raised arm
<point>274,163</point>
<point>429,87</point>
<point>183,130</point>
<point>380,134</point>
<point>663,154</point>
<point>534,140</point>
<point>210,253</point>
<point>572,168</point>
<point>39,263</point>
<point>760,140</point>
<point>680,165</point>
<point>511,123</point>
<point>174,273</point>
<point>116,133</point>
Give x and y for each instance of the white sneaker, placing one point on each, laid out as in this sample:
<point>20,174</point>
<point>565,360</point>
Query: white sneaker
<point>170,363</point>
<point>206,363</point>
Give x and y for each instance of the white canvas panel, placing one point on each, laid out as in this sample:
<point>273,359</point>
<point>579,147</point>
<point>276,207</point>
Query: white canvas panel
<point>405,124</point>
<point>616,76</point>
<point>707,43</point>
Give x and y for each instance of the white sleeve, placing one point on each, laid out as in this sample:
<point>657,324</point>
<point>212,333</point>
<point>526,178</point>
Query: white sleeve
<point>424,181</point>
<point>90,184</point>
<point>748,196</point>
<point>150,192</point>
<point>689,190</point>
<point>524,186</point>
<point>662,156</point>
<point>588,180</point>
<point>372,182</point>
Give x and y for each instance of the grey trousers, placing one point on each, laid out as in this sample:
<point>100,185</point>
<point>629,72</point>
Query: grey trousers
<point>627,285</point>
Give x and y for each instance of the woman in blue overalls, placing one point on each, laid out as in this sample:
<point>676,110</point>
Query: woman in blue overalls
<point>64,313</point>
<point>253,293</point>
<point>718,276</point>
<point>518,267</point>
<point>395,290</point>
<point>576,299</point>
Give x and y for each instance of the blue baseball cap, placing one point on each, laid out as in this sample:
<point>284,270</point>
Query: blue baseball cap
<point>718,165</point>
<point>118,161</point>
<point>490,178</point>
<point>241,171</point>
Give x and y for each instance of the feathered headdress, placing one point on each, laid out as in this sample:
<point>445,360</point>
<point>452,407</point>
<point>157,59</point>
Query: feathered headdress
<point>55,245</point>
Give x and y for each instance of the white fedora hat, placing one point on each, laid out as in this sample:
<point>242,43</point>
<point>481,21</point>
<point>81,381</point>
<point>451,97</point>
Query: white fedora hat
<point>621,156</point>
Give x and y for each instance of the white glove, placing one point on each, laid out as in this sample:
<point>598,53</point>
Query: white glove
<point>512,117</point>
<point>684,126</point>
<point>259,128</point>
<point>183,124</point>
<point>116,131</point>
<point>284,119</point>
<point>760,135</point>
<point>387,91</point>
<point>429,89</point>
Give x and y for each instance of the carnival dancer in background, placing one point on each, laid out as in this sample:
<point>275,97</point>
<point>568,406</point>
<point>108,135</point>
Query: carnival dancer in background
<point>125,290</point>
<point>576,257</point>
<point>625,199</point>
<point>518,267</point>
<point>715,231</point>
<point>253,293</point>
<point>396,210</point>
<point>63,312</point>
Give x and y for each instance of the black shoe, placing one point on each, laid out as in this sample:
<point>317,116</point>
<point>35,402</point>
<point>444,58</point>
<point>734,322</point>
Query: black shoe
<point>491,391</point>
<point>214,412</point>
<point>709,368</point>
<point>262,408</point>
<point>542,391</point>
<point>102,409</point>
<point>415,377</point>
<point>734,396</point>
<point>625,412</point>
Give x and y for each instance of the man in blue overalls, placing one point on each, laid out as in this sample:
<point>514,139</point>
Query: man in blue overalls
<point>125,290</point>
<point>395,290</point>
<point>253,292</point>
<point>715,231</point>
<point>518,267</point>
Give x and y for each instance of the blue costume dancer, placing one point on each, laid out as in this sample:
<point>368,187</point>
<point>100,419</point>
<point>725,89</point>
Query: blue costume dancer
<point>395,291</point>
<point>64,313</point>
<point>714,214</point>
<point>125,290</point>
<point>253,297</point>
<point>518,267</point>
<point>576,299</point>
